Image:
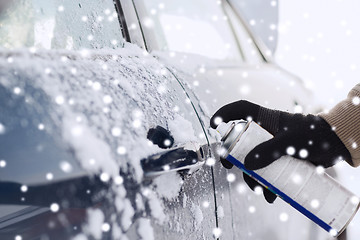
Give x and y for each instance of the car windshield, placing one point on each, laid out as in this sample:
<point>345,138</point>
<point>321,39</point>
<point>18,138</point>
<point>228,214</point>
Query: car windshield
<point>197,27</point>
<point>59,24</point>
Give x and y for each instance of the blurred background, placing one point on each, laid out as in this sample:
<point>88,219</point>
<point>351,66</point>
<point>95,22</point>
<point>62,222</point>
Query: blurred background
<point>319,42</point>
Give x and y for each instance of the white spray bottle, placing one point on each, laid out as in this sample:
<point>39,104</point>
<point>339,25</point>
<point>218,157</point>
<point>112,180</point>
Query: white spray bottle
<point>304,186</point>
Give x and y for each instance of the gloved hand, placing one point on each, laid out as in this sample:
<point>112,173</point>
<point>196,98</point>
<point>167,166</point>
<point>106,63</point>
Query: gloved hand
<point>306,137</point>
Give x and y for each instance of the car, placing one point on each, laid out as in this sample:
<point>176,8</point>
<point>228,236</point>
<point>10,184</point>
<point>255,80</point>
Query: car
<point>105,121</point>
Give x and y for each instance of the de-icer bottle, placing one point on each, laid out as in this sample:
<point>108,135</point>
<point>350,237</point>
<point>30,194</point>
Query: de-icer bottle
<point>301,184</point>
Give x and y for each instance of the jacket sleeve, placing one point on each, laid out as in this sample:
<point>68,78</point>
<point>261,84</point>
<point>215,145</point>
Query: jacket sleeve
<point>345,120</point>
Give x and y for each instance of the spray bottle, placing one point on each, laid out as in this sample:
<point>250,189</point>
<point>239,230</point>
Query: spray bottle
<point>304,186</point>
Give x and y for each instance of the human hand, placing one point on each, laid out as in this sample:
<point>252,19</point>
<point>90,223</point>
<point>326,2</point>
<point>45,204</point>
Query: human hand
<point>306,137</point>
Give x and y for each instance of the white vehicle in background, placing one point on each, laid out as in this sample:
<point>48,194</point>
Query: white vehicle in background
<point>80,102</point>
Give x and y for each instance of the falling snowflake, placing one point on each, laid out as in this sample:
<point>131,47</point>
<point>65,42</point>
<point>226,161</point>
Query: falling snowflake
<point>17,90</point>
<point>206,204</point>
<point>356,100</point>
<point>290,150</point>
<point>60,100</point>
<point>96,86</point>
<point>230,177</point>
<point>258,190</point>
<point>320,169</point>
<point>210,162</point>
<point>2,163</point>
<point>118,180</point>
<point>116,132</point>
<point>49,176</point>
<point>24,188</point>
<point>136,123</point>
<point>355,200</point>
<point>315,203</point>
<point>107,99</point>
<point>121,150</point>
<point>252,209</point>
<point>284,217</point>
<point>18,237</point>
<point>105,227</point>
<point>333,232</point>
<point>297,179</point>
<point>61,8</point>
<point>54,207</point>
<point>2,129</point>
<point>217,232</point>
<point>241,188</point>
<point>303,153</point>
<point>65,167</point>
<point>41,126</point>
<point>104,177</point>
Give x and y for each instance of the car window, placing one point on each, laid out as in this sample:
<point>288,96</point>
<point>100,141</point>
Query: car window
<point>59,24</point>
<point>197,27</point>
<point>251,52</point>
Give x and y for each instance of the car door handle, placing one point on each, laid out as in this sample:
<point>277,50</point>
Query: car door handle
<point>186,159</point>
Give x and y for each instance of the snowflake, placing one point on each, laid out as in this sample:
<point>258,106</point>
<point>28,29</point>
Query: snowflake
<point>18,237</point>
<point>303,153</point>
<point>65,166</point>
<point>315,203</point>
<point>252,209</point>
<point>2,163</point>
<point>2,129</point>
<point>230,177</point>
<point>54,207</point>
<point>283,217</point>
<point>217,232</point>
<point>206,204</point>
<point>24,188</point>
<point>107,99</point>
<point>258,190</point>
<point>49,176</point>
<point>356,100</point>
<point>290,150</point>
<point>17,90</point>
<point>210,162</point>
<point>121,150</point>
<point>118,180</point>
<point>105,227</point>
<point>61,8</point>
<point>241,188</point>
<point>320,169</point>
<point>104,177</point>
<point>116,132</point>
<point>59,100</point>
<point>136,123</point>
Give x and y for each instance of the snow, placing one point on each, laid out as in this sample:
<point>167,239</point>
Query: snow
<point>82,88</point>
<point>95,220</point>
<point>220,212</point>
<point>127,215</point>
<point>181,129</point>
<point>168,185</point>
<point>197,215</point>
<point>156,208</point>
<point>145,229</point>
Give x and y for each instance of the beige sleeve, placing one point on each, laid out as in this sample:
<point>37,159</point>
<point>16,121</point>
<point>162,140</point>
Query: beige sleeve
<point>345,119</point>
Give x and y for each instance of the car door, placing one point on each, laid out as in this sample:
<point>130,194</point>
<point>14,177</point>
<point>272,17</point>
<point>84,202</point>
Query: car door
<point>235,67</point>
<point>74,112</point>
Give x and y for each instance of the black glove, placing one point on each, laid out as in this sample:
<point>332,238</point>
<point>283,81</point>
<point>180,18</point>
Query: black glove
<point>306,137</point>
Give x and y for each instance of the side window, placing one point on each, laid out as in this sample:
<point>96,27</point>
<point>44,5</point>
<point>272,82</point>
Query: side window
<point>60,24</point>
<point>248,47</point>
<point>196,27</point>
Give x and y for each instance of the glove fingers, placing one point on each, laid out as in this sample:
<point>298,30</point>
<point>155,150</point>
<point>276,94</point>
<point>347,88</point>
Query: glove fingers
<point>267,152</point>
<point>235,111</point>
<point>226,164</point>
<point>269,196</point>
